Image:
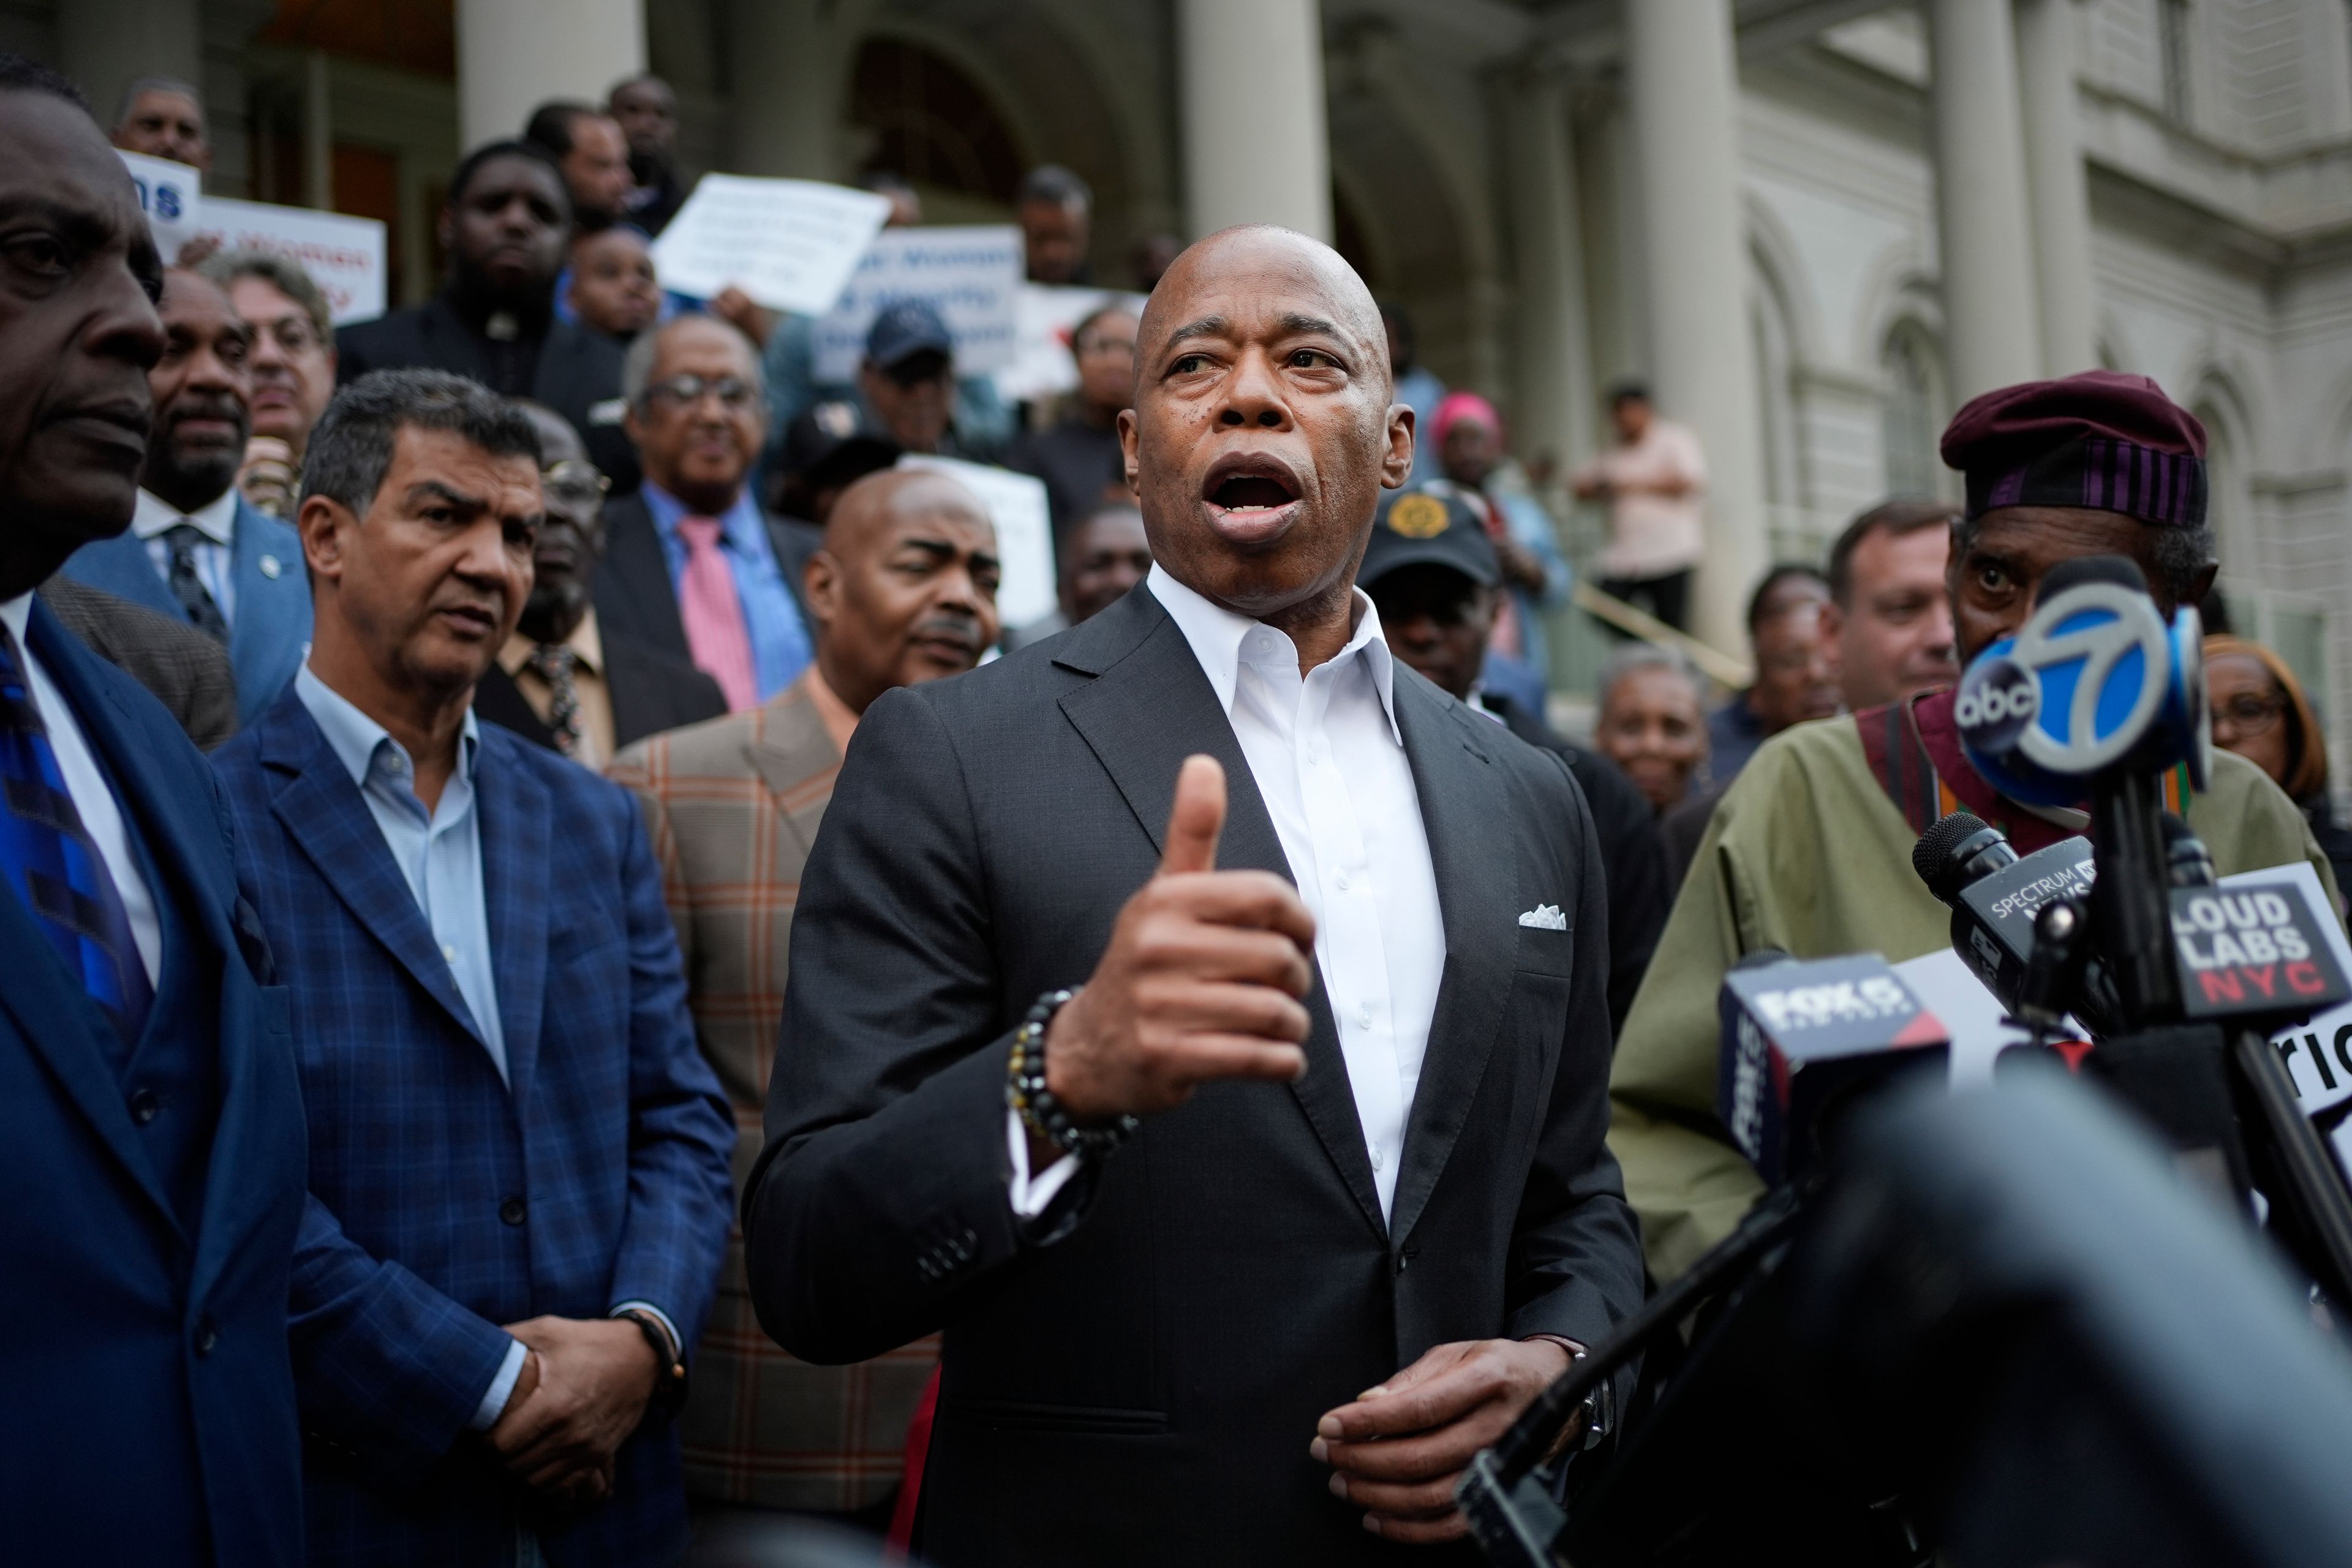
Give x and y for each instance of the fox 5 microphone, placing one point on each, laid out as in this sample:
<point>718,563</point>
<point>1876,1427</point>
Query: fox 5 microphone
<point>1800,1040</point>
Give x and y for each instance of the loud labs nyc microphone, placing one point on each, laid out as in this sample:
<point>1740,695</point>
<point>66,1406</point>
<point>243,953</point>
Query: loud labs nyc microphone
<point>1799,1041</point>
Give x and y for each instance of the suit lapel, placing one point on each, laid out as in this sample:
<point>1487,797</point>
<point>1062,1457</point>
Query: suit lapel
<point>633,591</point>
<point>1149,708</point>
<point>323,812</point>
<point>1465,809</point>
<point>120,566</point>
<point>792,752</point>
<point>514,810</point>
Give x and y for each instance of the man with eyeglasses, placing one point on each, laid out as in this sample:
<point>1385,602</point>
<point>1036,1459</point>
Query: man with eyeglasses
<point>694,567</point>
<point>561,682</point>
<point>293,365</point>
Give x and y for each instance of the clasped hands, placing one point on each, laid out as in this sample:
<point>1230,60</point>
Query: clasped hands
<point>1204,981</point>
<point>584,1388</point>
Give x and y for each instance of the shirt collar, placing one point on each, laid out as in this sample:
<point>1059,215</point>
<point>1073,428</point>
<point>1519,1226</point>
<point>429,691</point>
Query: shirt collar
<point>17,614</point>
<point>742,513</point>
<point>357,739</point>
<point>216,520</point>
<point>1216,635</point>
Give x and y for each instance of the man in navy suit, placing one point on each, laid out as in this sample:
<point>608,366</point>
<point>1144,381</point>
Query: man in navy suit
<point>196,550</point>
<point>151,1125</point>
<point>519,1160</point>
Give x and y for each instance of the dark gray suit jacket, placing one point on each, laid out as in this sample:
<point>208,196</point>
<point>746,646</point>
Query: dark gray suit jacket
<point>1134,1378</point>
<point>185,670</point>
<point>635,598</point>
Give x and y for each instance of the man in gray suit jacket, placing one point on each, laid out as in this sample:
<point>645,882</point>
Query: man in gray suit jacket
<point>181,668</point>
<point>1243,1248</point>
<point>195,551</point>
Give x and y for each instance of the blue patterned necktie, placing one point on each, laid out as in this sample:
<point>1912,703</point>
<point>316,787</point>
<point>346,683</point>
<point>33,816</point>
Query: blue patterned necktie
<point>48,860</point>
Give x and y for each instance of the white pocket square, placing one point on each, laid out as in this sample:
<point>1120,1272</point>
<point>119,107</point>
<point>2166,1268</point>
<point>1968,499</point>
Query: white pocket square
<point>1545,917</point>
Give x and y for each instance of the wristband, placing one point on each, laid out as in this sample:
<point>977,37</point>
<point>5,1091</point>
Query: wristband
<point>1026,1094</point>
<point>669,1385</point>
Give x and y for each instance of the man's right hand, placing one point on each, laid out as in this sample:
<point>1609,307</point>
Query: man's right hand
<point>1202,980</point>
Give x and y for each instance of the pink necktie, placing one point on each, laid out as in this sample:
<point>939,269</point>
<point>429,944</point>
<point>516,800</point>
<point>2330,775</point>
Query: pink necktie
<point>714,616</point>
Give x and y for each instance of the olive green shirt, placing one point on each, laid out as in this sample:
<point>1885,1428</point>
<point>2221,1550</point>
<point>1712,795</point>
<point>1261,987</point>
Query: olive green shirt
<point>1807,854</point>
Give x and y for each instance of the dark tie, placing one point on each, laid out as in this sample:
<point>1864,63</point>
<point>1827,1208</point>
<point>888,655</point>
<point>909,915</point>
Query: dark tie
<point>48,860</point>
<point>553,663</point>
<point>189,588</point>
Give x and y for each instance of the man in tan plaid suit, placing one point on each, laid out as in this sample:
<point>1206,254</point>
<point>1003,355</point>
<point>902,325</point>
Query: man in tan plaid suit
<point>904,591</point>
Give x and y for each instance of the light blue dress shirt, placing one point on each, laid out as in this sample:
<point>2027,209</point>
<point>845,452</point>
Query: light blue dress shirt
<point>440,854</point>
<point>781,646</point>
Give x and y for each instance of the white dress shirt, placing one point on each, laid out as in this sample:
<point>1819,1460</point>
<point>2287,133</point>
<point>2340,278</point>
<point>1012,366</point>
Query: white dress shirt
<point>1328,760</point>
<point>215,557</point>
<point>101,818</point>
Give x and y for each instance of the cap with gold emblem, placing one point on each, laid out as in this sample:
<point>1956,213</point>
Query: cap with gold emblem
<point>1429,527</point>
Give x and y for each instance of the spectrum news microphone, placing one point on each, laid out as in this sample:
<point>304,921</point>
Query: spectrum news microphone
<point>2097,695</point>
<point>1803,1043</point>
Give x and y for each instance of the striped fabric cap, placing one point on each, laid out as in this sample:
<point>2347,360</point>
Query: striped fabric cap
<point>2100,440</point>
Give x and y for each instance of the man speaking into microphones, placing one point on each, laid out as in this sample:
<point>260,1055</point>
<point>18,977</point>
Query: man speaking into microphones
<point>1202,1018</point>
<point>1810,851</point>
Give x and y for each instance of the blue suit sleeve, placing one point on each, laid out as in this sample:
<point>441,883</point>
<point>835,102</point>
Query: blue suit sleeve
<point>681,1132</point>
<point>386,1364</point>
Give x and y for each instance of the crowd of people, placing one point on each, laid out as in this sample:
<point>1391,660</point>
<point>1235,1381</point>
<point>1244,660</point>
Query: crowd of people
<point>574,990</point>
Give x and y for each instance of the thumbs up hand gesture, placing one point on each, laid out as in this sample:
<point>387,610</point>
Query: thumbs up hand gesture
<point>1200,981</point>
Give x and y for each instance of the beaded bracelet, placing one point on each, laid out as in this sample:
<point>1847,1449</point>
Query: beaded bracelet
<point>1026,1094</point>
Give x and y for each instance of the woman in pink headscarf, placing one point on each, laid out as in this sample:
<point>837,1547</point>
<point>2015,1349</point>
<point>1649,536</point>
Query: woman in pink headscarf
<point>1468,435</point>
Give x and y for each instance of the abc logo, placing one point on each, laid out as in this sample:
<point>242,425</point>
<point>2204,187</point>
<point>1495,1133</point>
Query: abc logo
<point>1999,698</point>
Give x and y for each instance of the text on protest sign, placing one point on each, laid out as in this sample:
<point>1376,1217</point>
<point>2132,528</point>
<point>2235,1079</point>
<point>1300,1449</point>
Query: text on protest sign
<point>791,244</point>
<point>969,274</point>
<point>1045,317</point>
<point>344,255</point>
<point>169,194</point>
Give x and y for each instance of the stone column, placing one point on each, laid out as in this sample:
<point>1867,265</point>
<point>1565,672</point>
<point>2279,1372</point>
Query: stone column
<point>2053,166</point>
<point>106,45</point>
<point>514,55</point>
<point>1555,360</point>
<point>317,133</point>
<point>789,76</point>
<point>1992,328</point>
<point>1683,97</point>
<point>1257,141</point>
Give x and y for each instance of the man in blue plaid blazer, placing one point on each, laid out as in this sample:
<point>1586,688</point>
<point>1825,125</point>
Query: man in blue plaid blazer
<point>519,1160</point>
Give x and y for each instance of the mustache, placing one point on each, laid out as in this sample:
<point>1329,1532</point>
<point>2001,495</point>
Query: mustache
<point>949,626</point>
<point>202,406</point>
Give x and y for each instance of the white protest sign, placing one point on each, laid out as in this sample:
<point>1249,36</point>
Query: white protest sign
<point>788,244</point>
<point>1015,503</point>
<point>1045,315</point>
<point>969,274</point>
<point>171,194</point>
<point>344,255</point>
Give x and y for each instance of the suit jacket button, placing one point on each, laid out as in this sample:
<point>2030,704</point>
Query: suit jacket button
<point>206,1336</point>
<point>144,1104</point>
<point>511,1211</point>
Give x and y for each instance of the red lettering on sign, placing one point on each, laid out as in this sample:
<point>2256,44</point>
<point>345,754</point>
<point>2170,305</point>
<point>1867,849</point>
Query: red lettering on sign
<point>2261,977</point>
<point>2222,985</point>
<point>2304,979</point>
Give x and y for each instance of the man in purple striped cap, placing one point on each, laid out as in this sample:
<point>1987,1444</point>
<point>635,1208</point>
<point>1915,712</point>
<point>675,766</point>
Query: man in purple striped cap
<point>1811,851</point>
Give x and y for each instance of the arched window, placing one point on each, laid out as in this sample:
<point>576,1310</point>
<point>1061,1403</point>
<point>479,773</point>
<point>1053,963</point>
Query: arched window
<point>1911,420</point>
<point>931,123</point>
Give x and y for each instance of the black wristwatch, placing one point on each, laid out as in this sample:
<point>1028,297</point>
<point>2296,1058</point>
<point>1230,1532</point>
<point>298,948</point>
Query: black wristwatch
<point>1026,1094</point>
<point>669,1385</point>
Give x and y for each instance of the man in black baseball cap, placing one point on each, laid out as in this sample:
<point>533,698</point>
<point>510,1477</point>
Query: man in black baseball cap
<point>1433,577</point>
<point>907,380</point>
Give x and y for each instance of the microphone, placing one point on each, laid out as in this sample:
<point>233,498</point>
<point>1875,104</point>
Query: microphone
<point>1997,897</point>
<point>1800,1040</point>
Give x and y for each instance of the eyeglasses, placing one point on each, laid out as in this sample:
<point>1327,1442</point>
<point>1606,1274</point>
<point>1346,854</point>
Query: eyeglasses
<point>575,480</point>
<point>292,335</point>
<point>2247,715</point>
<point>685,391</point>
